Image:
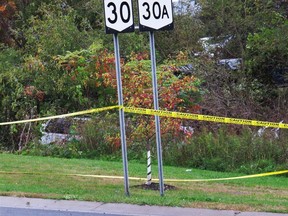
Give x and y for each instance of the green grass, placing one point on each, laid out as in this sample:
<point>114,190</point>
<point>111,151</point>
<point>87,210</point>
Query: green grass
<point>268,194</point>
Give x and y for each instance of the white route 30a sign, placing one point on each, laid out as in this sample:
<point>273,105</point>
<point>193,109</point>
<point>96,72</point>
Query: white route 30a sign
<point>118,16</point>
<point>155,15</point>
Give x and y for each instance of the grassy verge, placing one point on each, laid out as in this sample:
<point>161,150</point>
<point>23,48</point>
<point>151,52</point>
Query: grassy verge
<point>268,194</point>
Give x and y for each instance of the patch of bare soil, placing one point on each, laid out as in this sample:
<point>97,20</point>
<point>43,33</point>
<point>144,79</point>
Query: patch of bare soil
<point>155,186</point>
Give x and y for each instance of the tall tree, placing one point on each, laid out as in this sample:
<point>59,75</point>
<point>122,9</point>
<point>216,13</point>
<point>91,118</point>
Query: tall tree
<point>267,54</point>
<point>238,18</point>
<point>7,12</point>
<point>187,30</point>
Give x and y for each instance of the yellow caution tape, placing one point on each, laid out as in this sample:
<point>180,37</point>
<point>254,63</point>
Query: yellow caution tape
<point>144,179</point>
<point>189,180</point>
<point>229,178</point>
<point>163,113</point>
<point>62,116</point>
<point>199,117</point>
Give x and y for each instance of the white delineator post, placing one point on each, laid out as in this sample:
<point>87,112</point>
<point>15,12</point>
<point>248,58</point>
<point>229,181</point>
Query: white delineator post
<point>149,170</point>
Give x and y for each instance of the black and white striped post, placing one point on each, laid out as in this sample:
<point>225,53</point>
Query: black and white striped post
<point>149,170</point>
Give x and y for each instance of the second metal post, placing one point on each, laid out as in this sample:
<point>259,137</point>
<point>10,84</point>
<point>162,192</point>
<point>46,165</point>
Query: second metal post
<point>156,107</point>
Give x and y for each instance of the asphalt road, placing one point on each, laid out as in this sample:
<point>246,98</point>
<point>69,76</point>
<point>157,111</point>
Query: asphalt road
<point>4,211</point>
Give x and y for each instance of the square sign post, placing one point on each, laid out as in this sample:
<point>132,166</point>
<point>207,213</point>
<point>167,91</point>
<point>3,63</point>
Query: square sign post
<point>119,19</point>
<point>156,15</point>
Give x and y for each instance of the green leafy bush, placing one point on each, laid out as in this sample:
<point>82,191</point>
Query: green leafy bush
<point>101,136</point>
<point>224,151</point>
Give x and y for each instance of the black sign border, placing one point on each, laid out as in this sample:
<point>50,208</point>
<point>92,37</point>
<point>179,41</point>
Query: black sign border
<point>130,29</point>
<point>144,28</point>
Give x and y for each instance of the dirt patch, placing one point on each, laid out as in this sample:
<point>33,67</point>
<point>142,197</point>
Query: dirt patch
<point>155,186</point>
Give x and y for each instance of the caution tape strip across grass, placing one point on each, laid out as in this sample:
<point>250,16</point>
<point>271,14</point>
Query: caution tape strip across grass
<point>144,179</point>
<point>191,180</point>
<point>162,113</point>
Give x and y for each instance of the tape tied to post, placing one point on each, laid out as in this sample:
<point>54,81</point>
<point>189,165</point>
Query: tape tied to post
<point>162,113</point>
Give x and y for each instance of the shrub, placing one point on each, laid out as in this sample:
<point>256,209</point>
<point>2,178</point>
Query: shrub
<point>224,151</point>
<point>101,136</point>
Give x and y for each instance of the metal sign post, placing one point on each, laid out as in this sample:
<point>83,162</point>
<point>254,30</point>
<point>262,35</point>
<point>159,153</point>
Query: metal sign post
<point>121,114</point>
<point>153,15</point>
<point>156,107</point>
<point>156,15</point>
<point>119,19</point>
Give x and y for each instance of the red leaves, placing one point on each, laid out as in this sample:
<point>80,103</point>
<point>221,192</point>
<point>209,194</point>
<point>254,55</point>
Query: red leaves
<point>7,9</point>
<point>115,142</point>
<point>174,94</point>
<point>33,92</point>
<point>138,92</point>
<point>105,69</point>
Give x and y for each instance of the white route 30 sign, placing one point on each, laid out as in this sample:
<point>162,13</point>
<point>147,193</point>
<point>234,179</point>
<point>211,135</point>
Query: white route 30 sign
<point>155,15</point>
<point>118,16</point>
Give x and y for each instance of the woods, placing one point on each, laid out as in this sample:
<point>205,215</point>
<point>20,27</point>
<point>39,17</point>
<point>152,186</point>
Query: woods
<point>56,58</point>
